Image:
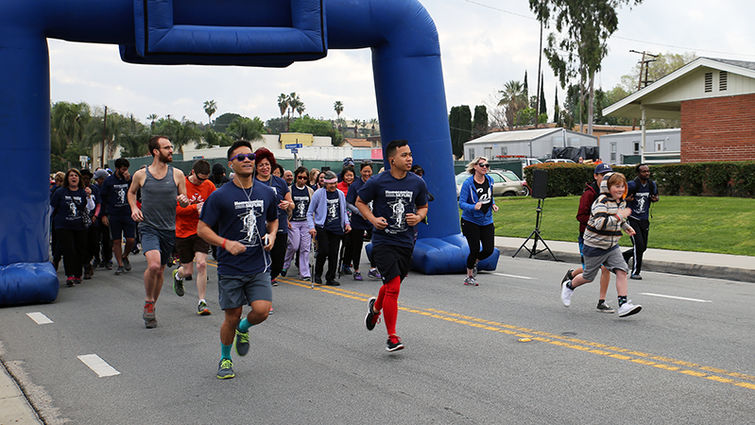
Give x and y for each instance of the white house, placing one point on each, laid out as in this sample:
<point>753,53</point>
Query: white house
<point>625,148</point>
<point>537,143</point>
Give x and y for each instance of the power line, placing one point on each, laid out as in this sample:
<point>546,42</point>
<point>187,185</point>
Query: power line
<point>686,48</point>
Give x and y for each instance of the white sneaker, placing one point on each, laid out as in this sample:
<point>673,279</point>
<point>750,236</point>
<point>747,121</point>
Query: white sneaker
<point>628,309</point>
<point>566,293</point>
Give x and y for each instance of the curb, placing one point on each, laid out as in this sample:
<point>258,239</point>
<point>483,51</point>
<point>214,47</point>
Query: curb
<point>728,272</point>
<point>14,406</point>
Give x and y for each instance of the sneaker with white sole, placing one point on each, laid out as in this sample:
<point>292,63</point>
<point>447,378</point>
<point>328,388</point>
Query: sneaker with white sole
<point>178,284</point>
<point>568,276</point>
<point>471,281</point>
<point>202,309</point>
<point>628,309</point>
<point>394,344</point>
<point>566,294</point>
<point>372,318</point>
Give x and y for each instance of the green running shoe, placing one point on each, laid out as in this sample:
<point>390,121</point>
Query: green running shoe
<point>178,284</point>
<point>225,369</point>
<point>242,343</point>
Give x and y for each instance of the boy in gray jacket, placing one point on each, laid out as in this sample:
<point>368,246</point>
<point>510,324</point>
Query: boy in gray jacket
<point>601,242</point>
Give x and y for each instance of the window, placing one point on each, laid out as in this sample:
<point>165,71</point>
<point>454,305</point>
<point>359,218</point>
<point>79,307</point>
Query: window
<point>613,151</point>
<point>504,151</point>
<point>708,82</point>
<point>496,178</point>
<point>723,78</point>
<point>471,154</point>
<point>488,152</point>
<point>659,145</point>
<point>636,147</point>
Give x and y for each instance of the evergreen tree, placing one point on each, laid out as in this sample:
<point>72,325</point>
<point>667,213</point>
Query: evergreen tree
<point>526,90</point>
<point>457,146</point>
<point>556,110</point>
<point>480,121</point>
<point>543,108</point>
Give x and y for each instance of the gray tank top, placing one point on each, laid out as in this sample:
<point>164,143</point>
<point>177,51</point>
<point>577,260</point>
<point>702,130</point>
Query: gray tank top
<point>159,201</point>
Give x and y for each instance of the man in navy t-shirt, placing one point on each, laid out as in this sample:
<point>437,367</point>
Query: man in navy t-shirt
<point>116,213</point>
<point>399,202</point>
<point>359,225</point>
<point>244,212</point>
<point>640,193</point>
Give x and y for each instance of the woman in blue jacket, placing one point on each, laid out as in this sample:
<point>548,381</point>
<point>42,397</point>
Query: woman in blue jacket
<point>328,222</point>
<point>477,207</point>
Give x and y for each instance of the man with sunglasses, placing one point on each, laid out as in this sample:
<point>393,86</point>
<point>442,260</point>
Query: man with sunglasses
<point>244,212</point>
<point>189,246</point>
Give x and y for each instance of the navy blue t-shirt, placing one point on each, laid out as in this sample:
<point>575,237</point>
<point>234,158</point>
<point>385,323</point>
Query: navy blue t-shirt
<point>640,206</point>
<point>357,222</point>
<point>68,206</point>
<point>333,217</point>
<point>240,215</point>
<point>280,188</point>
<point>301,203</point>
<point>114,196</point>
<point>392,199</point>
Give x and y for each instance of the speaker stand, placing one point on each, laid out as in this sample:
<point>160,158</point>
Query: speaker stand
<point>535,236</point>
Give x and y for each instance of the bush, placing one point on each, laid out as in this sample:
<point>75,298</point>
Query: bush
<point>698,178</point>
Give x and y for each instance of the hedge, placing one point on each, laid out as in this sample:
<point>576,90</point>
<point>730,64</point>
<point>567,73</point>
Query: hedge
<point>696,178</point>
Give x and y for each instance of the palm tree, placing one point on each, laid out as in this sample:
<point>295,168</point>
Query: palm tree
<point>294,103</point>
<point>283,103</point>
<point>246,128</point>
<point>152,118</point>
<point>513,99</point>
<point>338,107</point>
<point>209,108</point>
<point>300,109</point>
<point>373,123</point>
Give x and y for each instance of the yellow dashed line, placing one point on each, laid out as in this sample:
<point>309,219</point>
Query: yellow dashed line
<point>553,339</point>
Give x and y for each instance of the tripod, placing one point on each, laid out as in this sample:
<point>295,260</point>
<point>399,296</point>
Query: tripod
<point>535,235</point>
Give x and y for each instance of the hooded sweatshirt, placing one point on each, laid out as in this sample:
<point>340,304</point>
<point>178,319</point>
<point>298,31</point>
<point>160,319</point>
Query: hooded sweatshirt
<point>603,230</point>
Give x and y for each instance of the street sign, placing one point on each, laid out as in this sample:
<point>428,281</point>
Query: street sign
<point>293,146</point>
<point>294,150</point>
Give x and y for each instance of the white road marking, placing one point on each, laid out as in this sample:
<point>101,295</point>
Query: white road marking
<point>676,298</point>
<point>40,318</point>
<point>513,275</point>
<point>98,366</point>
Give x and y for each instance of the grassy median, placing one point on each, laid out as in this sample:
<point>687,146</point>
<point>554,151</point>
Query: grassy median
<point>685,223</point>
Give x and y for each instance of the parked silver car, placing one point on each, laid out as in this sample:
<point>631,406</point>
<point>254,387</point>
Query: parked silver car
<point>505,183</point>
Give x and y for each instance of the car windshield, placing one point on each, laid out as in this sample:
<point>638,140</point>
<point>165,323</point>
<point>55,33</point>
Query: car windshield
<point>509,175</point>
<point>461,177</point>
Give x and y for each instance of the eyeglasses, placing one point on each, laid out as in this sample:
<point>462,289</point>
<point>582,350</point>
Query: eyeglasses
<point>243,156</point>
<point>486,165</point>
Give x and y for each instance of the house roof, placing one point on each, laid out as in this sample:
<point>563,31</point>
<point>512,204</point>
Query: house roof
<point>358,143</point>
<point>630,106</point>
<point>520,136</point>
<point>639,132</point>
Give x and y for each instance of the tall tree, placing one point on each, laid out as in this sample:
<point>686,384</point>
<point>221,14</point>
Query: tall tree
<point>457,145</point>
<point>512,97</point>
<point>480,121</point>
<point>294,103</point>
<point>283,103</point>
<point>246,128</point>
<point>663,65</point>
<point>209,108</point>
<point>373,123</point>
<point>338,107</point>
<point>556,109</point>
<point>543,108</point>
<point>152,118</point>
<point>587,25</point>
<point>525,86</point>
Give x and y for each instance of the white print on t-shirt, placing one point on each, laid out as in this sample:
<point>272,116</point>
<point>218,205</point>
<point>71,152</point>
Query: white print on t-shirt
<point>484,198</point>
<point>640,199</point>
<point>301,210</point>
<point>332,210</point>
<point>250,211</point>
<point>121,196</point>
<point>397,201</point>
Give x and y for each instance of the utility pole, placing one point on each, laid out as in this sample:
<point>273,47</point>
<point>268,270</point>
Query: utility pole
<point>104,138</point>
<point>644,66</point>
<point>539,74</point>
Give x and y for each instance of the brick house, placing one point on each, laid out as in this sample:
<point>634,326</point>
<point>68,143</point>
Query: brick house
<point>715,101</point>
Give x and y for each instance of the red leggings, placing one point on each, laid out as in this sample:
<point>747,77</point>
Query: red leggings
<point>387,301</point>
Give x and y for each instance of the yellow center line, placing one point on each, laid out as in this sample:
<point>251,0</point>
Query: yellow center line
<point>619,353</point>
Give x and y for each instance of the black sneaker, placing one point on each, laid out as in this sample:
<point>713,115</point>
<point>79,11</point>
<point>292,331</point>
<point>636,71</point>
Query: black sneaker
<point>394,344</point>
<point>605,308</point>
<point>187,277</point>
<point>178,285</point>
<point>635,277</point>
<point>225,369</point>
<point>333,283</point>
<point>567,276</point>
<point>242,343</point>
<point>317,281</point>
<point>119,270</point>
<point>126,264</point>
<point>372,318</point>
<point>346,270</point>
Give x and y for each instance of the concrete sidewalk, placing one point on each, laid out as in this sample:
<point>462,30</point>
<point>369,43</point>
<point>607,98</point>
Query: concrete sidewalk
<point>719,266</point>
<point>14,408</point>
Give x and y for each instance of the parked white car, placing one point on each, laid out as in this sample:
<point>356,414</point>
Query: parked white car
<point>505,183</point>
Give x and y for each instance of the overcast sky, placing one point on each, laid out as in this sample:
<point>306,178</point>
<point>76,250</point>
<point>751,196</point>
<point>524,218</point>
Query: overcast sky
<point>484,43</point>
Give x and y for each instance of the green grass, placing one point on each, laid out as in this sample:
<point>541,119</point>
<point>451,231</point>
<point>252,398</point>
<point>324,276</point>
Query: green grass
<point>686,223</point>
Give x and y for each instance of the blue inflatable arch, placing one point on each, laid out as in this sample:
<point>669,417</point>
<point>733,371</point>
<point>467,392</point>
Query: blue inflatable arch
<point>408,85</point>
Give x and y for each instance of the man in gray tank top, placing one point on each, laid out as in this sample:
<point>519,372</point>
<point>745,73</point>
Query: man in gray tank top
<point>161,186</point>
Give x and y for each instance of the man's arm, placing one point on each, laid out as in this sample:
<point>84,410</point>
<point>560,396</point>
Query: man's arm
<point>413,219</point>
<point>208,235</point>
<point>379,222</point>
<point>180,180</point>
<point>136,184</point>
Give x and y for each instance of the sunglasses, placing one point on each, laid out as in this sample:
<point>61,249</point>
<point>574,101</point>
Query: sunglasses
<point>302,178</point>
<point>484,165</point>
<point>243,156</point>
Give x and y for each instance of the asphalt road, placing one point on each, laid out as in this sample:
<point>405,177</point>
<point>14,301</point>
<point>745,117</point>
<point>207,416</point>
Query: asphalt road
<point>687,359</point>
